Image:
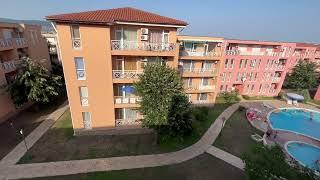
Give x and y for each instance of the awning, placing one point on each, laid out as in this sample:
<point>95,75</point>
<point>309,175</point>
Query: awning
<point>295,96</point>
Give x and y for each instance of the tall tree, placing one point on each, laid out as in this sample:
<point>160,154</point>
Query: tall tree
<point>33,82</point>
<point>303,76</point>
<point>156,87</point>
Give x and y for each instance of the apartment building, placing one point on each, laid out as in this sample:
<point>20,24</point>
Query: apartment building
<point>306,52</point>
<point>17,41</point>
<point>255,68</point>
<point>103,52</point>
<point>199,64</point>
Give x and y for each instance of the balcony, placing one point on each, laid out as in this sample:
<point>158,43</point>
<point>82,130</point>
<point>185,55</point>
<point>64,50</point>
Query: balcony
<point>9,66</point>
<point>276,79</point>
<point>124,76</point>
<point>200,102</point>
<point>120,100</point>
<point>200,54</point>
<point>119,47</point>
<point>199,89</point>
<point>251,53</point>
<point>280,68</point>
<point>199,72</point>
<point>20,42</point>
<point>128,122</point>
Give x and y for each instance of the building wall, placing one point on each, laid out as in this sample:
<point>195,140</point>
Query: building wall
<point>98,64</point>
<point>35,48</point>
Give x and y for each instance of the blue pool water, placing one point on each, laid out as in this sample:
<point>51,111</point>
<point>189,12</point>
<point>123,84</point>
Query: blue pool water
<point>306,154</point>
<point>297,120</point>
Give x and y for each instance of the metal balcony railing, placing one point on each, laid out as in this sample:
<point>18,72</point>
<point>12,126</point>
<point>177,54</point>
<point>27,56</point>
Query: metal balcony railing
<point>126,74</point>
<point>211,71</point>
<point>141,45</point>
<point>199,88</point>
<point>126,100</point>
<point>191,53</point>
<point>127,122</point>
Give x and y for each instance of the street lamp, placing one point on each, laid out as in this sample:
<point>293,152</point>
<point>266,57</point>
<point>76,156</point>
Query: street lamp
<point>24,140</point>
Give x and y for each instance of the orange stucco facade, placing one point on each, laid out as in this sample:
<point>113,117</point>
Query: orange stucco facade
<point>17,41</point>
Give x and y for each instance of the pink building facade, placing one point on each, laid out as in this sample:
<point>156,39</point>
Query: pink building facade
<point>255,68</point>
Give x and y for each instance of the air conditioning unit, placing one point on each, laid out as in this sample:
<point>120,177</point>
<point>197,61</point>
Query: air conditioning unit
<point>144,37</point>
<point>144,31</point>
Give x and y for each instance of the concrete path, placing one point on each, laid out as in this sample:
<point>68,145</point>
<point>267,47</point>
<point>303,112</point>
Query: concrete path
<point>11,171</point>
<point>17,153</point>
<point>227,157</point>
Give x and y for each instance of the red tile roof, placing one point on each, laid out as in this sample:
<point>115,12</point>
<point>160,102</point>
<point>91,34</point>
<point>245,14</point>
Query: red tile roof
<point>126,14</point>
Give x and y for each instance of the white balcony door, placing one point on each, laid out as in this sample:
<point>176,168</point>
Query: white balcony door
<point>129,114</point>
<point>205,82</point>
<point>7,33</point>
<point>207,65</point>
<point>188,65</point>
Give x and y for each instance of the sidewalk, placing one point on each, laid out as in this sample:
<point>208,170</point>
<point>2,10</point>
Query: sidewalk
<point>11,171</point>
<point>14,155</point>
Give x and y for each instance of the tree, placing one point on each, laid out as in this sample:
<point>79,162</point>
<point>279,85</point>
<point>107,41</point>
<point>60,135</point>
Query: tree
<point>164,105</point>
<point>267,163</point>
<point>179,118</point>
<point>303,76</point>
<point>230,97</point>
<point>33,83</point>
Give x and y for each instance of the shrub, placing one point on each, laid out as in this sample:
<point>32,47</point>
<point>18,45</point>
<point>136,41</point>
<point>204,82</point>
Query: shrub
<point>305,94</point>
<point>200,113</point>
<point>230,97</point>
<point>246,97</point>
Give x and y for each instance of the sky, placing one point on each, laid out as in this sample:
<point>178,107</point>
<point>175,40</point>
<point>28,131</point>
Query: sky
<point>273,20</point>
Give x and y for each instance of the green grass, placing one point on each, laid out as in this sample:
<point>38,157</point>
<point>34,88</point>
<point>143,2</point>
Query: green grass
<point>199,128</point>
<point>235,136</point>
<point>258,97</point>
<point>59,144</point>
<point>204,167</point>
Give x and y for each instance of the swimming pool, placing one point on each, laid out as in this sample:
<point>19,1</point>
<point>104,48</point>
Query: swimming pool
<point>306,154</point>
<point>296,120</point>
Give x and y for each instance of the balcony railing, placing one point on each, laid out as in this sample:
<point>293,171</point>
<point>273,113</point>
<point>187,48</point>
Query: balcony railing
<point>199,88</point>
<point>6,43</point>
<point>9,65</point>
<point>84,101</point>
<point>251,53</point>
<point>142,45</point>
<point>200,71</point>
<point>10,43</point>
<point>276,79</point>
<point>200,102</point>
<point>20,42</point>
<point>190,53</point>
<point>126,74</point>
<point>127,122</point>
<point>126,100</point>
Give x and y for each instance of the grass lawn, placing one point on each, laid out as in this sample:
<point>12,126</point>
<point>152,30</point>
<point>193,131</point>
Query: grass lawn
<point>235,136</point>
<point>258,97</point>
<point>59,144</point>
<point>204,167</point>
<point>27,120</point>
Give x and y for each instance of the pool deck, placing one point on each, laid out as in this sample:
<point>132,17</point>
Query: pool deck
<point>281,136</point>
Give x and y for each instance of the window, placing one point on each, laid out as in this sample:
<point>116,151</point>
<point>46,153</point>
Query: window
<point>260,87</point>
<point>255,76</point>
<point>230,77</point>
<point>32,37</point>
<point>202,97</point>
<point>238,76</point>
<point>226,88</point>
<point>226,63</point>
<point>268,62</point>
<point>205,82</point>
<point>86,120</point>
<point>245,63</point>
<point>75,35</point>
<point>221,88</point>
<point>207,65</point>
<point>241,63</point>
<point>80,69</point>
<point>188,65</point>
<point>188,82</point>
<point>252,88</point>
<point>259,63</point>
<point>83,91</point>
<point>231,64</point>
<point>223,77</point>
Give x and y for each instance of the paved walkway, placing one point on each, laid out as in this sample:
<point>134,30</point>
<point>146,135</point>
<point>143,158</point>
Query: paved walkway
<point>227,157</point>
<point>11,171</point>
<point>17,153</point>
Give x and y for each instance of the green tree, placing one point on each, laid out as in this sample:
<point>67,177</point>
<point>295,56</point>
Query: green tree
<point>268,163</point>
<point>230,97</point>
<point>303,76</point>
<point>156,87</point>
<point>33,82</point>
<point>179,118</point>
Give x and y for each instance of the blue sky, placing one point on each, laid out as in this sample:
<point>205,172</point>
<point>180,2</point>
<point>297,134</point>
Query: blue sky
<point>279,20</point>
